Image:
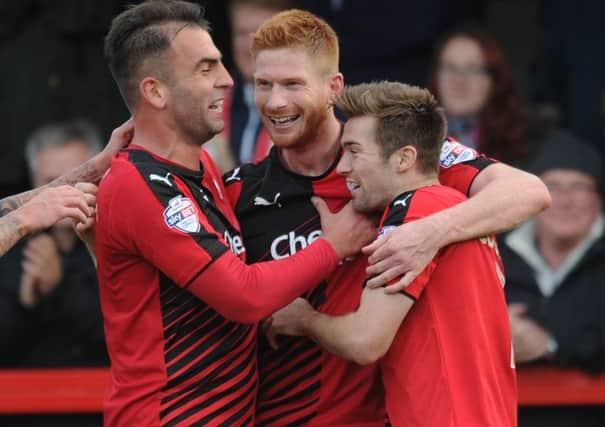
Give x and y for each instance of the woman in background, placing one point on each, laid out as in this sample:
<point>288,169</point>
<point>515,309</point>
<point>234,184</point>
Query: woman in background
<point>474,84</point>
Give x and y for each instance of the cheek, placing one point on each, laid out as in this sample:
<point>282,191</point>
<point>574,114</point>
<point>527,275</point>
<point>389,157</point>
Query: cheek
<point>260,98</point>
<point>480,92</point>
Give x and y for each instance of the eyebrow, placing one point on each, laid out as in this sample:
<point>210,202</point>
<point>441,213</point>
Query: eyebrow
<point>206,61</point>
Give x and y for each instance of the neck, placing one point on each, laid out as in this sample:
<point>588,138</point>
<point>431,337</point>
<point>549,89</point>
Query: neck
<point>411,180</point>
<point>313,158</point>
<point>166,141</point>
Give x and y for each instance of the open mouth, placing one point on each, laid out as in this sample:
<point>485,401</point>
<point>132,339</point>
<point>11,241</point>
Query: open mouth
<point>352,186</point>
<point>216,106</point>
<point>284,120</point>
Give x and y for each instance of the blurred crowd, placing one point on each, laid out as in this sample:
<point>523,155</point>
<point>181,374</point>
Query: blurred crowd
<point>59,105</point>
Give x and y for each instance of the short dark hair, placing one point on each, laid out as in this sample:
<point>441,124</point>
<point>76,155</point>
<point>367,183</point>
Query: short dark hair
<point>144,31</point>
<point>407,115</point>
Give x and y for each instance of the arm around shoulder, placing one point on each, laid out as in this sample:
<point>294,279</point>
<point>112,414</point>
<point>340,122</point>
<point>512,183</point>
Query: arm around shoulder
<point>501,197</point>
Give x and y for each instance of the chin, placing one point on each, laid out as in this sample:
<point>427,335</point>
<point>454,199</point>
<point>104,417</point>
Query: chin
<point>283,141</point>
<point>361,207</point>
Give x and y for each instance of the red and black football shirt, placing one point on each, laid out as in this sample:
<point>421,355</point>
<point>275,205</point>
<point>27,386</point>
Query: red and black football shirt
<point>300,382</point>
<point>450,362</point>
<point>174,359</point>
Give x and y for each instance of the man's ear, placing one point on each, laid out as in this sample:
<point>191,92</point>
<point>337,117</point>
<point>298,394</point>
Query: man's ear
<point>336,85</point>
<point>154,92</point>
<point>404,158</point>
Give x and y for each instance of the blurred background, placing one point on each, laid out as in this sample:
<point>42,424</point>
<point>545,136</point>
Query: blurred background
<point>520,80</point>
<point>51,56</point>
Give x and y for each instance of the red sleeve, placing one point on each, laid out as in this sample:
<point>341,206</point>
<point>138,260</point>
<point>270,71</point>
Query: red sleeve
<point>414,289</point>
<point>460,165</point>
<point>139,222</point>
<point>201,261</point>
<point>249,293</point>
<point>412,206</point>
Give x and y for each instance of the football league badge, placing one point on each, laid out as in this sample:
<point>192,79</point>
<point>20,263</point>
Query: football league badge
<point>453,152</point>
<point>182,215</point>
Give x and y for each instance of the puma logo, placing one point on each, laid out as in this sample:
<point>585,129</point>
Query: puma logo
<point>234,176</point>
<point>164,179</point>
<point>261,201</point>
<point>403,202</point>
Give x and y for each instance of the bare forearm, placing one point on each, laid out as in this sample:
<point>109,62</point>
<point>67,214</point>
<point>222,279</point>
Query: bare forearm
<point>9,204</point>
<point>11,231</point>
<point>337,335</point>
<point>90,171</point>
<point>495,206</point>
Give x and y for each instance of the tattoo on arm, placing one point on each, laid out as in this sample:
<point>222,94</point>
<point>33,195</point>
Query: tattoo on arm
<point>10,233</point>
<point>86,172</point>
<point>9,204</point>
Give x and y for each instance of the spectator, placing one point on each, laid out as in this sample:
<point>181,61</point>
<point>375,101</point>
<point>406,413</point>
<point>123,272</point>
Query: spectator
<point>244,138</point>
<point>48,291</point>
<point>391,40</point>
<point>554,263</point>
<point>474,83</point>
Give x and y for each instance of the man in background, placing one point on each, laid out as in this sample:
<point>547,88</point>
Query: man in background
<point>49,289</point>
<point>554,263</point>
<point>555,272</point>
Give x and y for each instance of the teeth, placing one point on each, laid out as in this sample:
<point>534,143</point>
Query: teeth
<point>218,106</point>
<point>285,119</point>
<point>352,186</point>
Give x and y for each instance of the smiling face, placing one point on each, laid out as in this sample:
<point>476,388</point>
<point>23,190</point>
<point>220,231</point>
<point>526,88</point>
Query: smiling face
<point>463,83</point>
<point>369,175</point>
<point>197,84</point>
<point>576,204</point>
<point>292,95</point>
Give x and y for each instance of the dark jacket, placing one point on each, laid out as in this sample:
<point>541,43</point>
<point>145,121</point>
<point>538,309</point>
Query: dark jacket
<point>64,329</point>
<point>574,313</point>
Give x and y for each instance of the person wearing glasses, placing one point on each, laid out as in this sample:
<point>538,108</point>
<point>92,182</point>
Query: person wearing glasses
<point>473,82</point>
<point>554,263</point>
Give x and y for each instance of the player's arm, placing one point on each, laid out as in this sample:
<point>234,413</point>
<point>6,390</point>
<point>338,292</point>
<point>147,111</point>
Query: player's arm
<point>250,293</point>
<point>501,197</point>
<point>363,336</point>
<point>41,212</point>
<point>201,262</point>
<point>90,171</point>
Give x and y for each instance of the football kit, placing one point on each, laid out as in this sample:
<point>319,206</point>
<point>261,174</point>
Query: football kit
<point>300,384</point>
<point>450,363</point>
<point>180,306</point>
